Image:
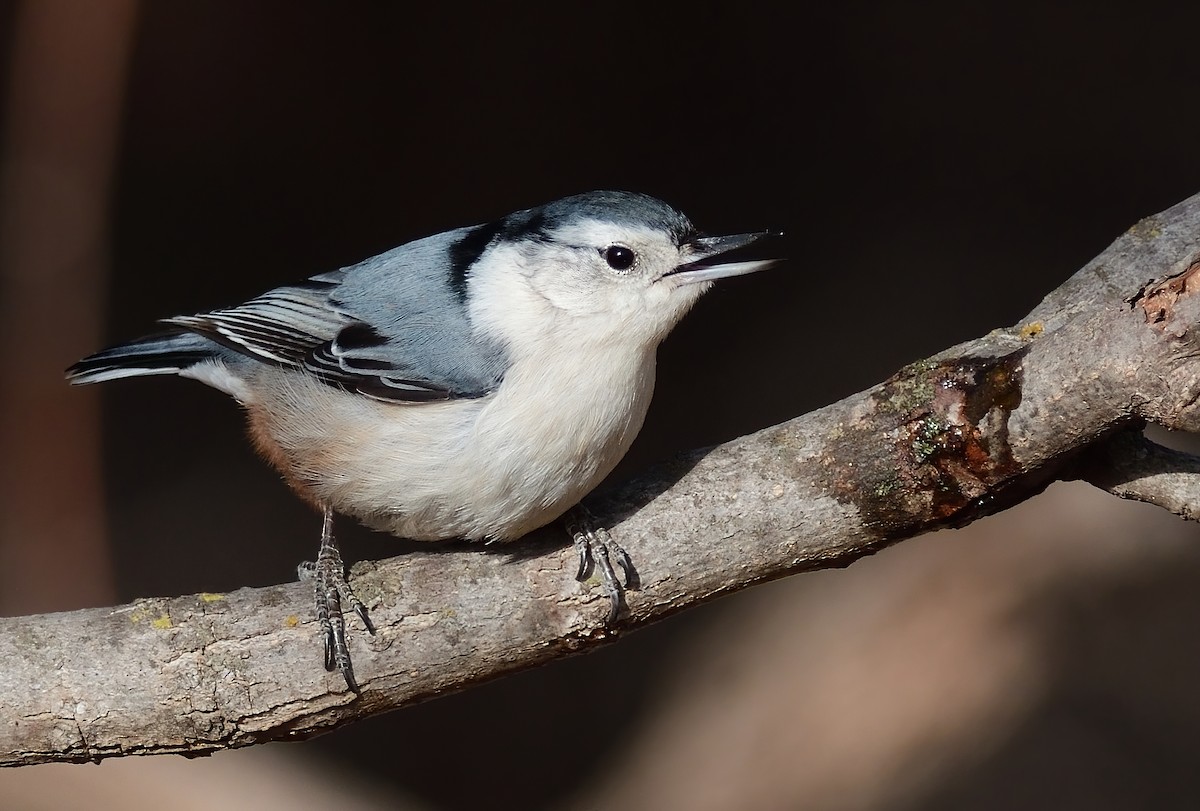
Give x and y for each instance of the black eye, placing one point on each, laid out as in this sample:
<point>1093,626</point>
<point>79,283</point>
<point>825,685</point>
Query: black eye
<point>619,257</point>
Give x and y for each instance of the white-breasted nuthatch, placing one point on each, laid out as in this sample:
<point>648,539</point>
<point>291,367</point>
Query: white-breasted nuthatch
<point>474,384</point>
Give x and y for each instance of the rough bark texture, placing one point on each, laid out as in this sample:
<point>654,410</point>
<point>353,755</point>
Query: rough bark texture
<point>944,441</point>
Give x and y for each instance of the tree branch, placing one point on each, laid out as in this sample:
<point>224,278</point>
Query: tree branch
<point>1131,466</point>
<point>944,441</point>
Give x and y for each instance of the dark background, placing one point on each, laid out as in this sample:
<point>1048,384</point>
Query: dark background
<point>937,171</point>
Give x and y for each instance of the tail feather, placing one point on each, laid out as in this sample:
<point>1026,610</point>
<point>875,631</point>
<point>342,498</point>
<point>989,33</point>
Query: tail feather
<point>161,354</point>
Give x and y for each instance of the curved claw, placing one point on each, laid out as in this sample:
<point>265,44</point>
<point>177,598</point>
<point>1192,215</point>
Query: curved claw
<point>361,610</point>
<point>585,555</point>
<point>596,549</point>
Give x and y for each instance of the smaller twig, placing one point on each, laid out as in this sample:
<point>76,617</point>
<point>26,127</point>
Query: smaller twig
<point>1131,466</point>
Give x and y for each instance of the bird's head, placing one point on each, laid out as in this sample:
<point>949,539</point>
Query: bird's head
<point>607,265</point>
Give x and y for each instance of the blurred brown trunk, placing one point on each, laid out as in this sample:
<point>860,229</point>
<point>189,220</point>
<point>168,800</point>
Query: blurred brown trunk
<point>63,116</point>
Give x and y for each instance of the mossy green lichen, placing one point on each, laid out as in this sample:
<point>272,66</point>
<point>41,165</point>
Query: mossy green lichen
<point>927,438</point>
<point>909,389</point>
<point>887,486</point>
<point>1148,228</point>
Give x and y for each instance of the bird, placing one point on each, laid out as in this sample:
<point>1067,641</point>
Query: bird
<point>475,384</point>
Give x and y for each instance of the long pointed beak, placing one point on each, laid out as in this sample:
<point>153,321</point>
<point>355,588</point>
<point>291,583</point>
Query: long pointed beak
<point>707,265</point>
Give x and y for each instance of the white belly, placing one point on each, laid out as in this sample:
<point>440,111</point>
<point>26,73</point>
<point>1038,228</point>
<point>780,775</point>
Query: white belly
<point>491,468</point>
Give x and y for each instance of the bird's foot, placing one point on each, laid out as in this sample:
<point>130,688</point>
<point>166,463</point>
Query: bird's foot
<point>597,550</point>
<point>331,589</point>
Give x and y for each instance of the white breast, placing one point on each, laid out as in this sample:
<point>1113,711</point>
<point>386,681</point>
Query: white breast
<point>490,468</point>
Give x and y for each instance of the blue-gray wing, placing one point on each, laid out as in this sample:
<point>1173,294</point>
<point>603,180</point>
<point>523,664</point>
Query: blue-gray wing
<point>394,327</point>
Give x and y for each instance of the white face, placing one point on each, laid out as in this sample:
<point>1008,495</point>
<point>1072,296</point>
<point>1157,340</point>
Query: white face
<point>593,281</point>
